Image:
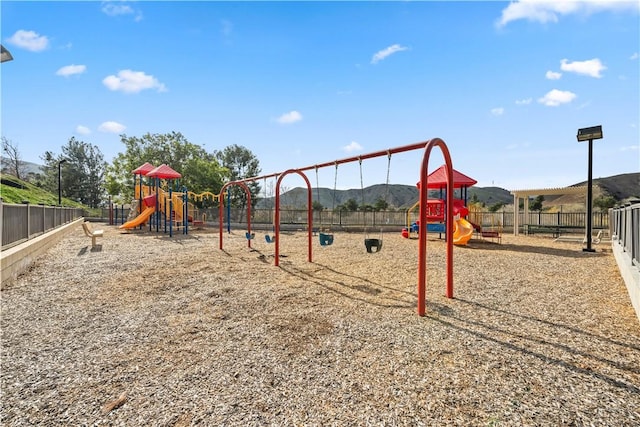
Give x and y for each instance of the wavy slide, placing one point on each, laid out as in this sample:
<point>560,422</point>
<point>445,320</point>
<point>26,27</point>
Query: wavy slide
<point>140,219</point>
<point>462,231</point>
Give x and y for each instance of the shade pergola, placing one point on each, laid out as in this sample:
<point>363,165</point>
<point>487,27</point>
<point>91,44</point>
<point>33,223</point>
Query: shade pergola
<point>517,194</point>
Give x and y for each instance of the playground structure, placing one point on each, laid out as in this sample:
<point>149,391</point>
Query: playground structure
<point>448,212</point>
<point>170,207</point>
<point>435,208</point>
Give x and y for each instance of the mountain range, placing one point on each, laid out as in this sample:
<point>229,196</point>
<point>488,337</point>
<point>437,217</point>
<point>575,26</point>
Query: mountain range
<point>621,187</point>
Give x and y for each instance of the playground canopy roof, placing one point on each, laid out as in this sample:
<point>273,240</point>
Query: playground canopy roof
<point>143,169</point>
<point>164,172</point>
<point>438,179</point>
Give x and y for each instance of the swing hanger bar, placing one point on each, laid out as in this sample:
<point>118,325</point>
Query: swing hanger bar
<point>387,152</point>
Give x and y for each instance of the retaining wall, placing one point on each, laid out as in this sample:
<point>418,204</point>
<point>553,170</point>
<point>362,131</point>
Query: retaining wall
<point>17,259</point>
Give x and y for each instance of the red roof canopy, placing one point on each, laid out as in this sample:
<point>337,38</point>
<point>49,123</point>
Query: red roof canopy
<point>163,172</point>
<point>143,169</point>
<point>438,179</point>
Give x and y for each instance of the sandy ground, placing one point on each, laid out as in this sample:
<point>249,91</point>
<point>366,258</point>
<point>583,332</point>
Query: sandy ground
<point>153,330</point>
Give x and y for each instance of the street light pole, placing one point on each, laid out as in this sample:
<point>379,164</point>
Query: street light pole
<point>589,134</point>
<point>59,181</point>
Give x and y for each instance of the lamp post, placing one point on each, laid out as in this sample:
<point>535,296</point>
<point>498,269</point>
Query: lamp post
<point>59,181</point>
<point>589,134</point>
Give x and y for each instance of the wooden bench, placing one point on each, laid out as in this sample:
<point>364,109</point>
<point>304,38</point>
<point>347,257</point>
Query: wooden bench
<point>94,234</point>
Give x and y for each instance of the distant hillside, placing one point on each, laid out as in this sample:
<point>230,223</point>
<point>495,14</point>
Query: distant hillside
<point>621,187</point>
<point>27,167</point>
<point>398,196</point>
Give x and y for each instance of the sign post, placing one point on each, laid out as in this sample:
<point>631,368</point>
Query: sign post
<point>589,134</point>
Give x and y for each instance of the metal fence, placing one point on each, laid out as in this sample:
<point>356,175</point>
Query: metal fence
<point>626,230</point>
<point>25,221</point>
<point>263,218</point>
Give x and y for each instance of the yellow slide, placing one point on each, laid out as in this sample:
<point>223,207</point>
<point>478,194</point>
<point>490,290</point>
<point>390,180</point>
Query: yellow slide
<point>140,219</point>
<point>462,231</point>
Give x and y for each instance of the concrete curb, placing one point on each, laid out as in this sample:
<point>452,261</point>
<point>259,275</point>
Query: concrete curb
<point>17,259</point>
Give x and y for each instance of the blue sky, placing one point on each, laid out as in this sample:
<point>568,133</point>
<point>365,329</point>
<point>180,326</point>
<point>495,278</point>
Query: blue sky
<point>505,84</point>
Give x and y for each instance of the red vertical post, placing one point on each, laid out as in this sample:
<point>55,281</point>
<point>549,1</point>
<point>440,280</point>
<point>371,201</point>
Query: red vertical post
<point>422,231</point>
<point>309,216</point>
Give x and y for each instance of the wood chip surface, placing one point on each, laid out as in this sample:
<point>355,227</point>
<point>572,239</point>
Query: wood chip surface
<point>539,333</point>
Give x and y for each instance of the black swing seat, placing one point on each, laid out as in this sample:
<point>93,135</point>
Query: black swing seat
<point>373,243</point>
<point>325,239</point>
<point>250,235</point>
<point>269,239</point>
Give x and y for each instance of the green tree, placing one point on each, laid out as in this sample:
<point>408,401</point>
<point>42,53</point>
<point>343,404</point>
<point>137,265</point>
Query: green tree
<point>380,205</point>
<point>536,204</point>
<point>496,207</point>
<point>317,206</point>
<point>81,173</point>
<point>200,170</point>
<point>604,203</point>
<point>350,205</point>
<point>241,164</point>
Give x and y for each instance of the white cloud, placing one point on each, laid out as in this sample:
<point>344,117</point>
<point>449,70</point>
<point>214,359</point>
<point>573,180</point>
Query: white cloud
<point>591,67</point>
<point>290,117</point>
<point>525,101</point>
<point>382,54</point>
<point>556,97</point>
<point>497,111</point>
<point>69,70</point>
<point>82,130</point>
<point>29,40</point>
<point>111,127</point>
<point>553,75</point>
<point>544,11</point>
<point>353,146</point>
<point>634,56</point>
<point>129,81</point>
<point>630,148</point>
<point>120,8</point>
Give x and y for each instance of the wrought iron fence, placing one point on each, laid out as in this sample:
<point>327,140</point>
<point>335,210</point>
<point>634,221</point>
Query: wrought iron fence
<point>263,218</point>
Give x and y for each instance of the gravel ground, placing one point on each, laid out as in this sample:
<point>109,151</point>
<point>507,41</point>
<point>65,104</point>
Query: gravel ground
<point>152,330</point>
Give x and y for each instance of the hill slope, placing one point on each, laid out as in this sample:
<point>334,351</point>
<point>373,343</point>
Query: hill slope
<point>621,187</point>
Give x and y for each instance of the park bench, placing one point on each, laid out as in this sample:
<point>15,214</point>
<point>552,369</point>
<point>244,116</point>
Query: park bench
<point>94,234</point>
<point>549,229</point>
<point>491,234</point>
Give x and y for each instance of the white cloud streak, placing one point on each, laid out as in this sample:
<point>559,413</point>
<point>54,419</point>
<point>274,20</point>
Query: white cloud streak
<point>592,67</point>
<point>129,81</point>
<point>553,75</point>
<point>545,11</point>
<point>351,147</point>
<point>525,101</point>
<point>82,130</point>
<point>634,56</point>
<point>498,111</point>
<point>289,118</point>
<point>386,52</point>
<point>557,97</point>
<point>120,9</point>
<point>111,127</point>
<point>69,70</point>
<point>29,40</point>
